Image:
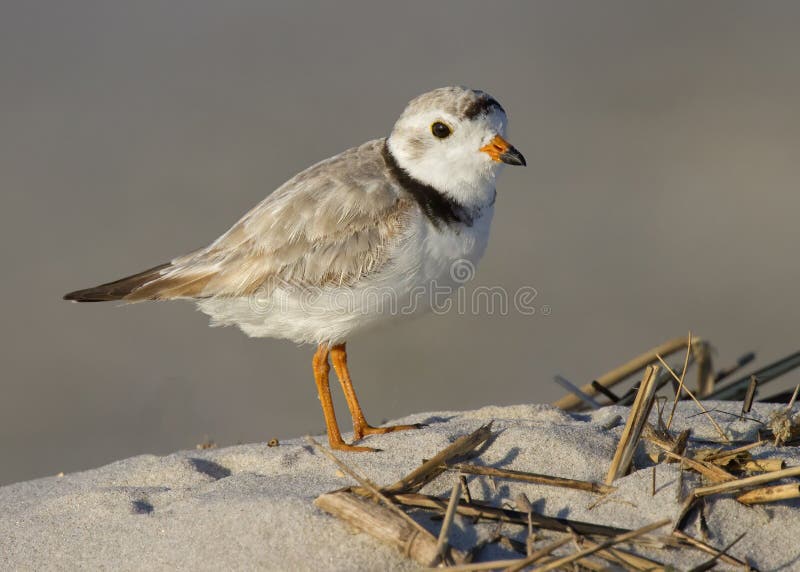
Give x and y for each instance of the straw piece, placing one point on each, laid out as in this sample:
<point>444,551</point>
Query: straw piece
<point>441,544</point>
<point>747,482</point>
<point>705,370</point>
<point>747,403</point>
<point>613,397</point>
<point>538,555</point>
<point>741,460</point>
<point>482,510</point>
<point>793,398</point>
<point>664,440</point>
<point>689,503</point>
<point>607,544</point>
<point>707,548</point>
<point>616,375</point>
<point>709,564</point>
<point>663,378</point>
<point>736,389</point>
<point>624,557</point>
<point>700,405</point>
<point>434,466</point>
<point>479,566</point>
<point>385,525</point>
<point>764,465</point>
<point>732,452</point>
<point>497,564</point>
<point>576,391</point>
<point>366,484</point>
<point>708,470</point>
<point>536,478</point>
<point>653,483</point>
<point>770,494</point>
<point>680,381</point>
<point>637,419</point>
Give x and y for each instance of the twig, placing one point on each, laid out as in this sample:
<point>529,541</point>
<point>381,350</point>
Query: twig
<point>367,484</point>
<point>495,564</point>
<point>793,399</point>
<point>441,544</point>
<point>628,558</point>
<point>708,470</point>
<point>705,372</point>
<point>538,479</point>
<point>664,439</point>
<point>763,465</point>
<point>686,508</point>
<point>663,378</point>
<point>620,373</point>
<point>552,565</point>
<point>523,504</point>
<point>739,416</point>
<point>770,494</point>
<point>747,404</point>
<point>653,483</point>
<point>680,381</point>
<point>733,452</point>
<point>637,419</point>
<point>465,488</point>
<point>482,510</point>
<point>433,467</point>
<point>478,566</point>
<point>576,391</point>
<point>765,374</point>
<point>538,554</point>
<point>613,397</point>
<point>746,482</point>
<point>700,405</point>
<point>700,545</point>
<point>385,525</point>
<point>707,565</point>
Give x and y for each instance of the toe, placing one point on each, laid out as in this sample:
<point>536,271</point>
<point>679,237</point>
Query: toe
<point>354,448</point>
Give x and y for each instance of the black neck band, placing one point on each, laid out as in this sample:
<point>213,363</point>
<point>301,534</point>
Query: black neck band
<point>438,207</point>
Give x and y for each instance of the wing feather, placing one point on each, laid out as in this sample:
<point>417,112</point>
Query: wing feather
<point>332,223</point>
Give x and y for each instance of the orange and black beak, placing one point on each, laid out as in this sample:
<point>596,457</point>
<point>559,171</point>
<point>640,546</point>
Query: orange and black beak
<point>501,150</point>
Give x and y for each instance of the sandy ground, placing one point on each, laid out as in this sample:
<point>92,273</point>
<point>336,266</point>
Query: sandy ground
<point>250,506</point>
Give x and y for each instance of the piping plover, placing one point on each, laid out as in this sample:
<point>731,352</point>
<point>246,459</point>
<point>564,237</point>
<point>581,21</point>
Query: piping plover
<point>347,243</point>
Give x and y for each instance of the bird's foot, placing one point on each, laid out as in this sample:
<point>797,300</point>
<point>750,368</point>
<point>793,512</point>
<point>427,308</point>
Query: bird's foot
<point>364,430</point>
<point>342,446</point>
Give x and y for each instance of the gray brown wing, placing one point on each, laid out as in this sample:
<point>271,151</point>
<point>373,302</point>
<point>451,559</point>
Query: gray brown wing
<point>332,223</point>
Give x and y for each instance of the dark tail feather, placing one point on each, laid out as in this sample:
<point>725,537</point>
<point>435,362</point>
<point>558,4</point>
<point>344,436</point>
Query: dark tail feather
<point>118,289</point>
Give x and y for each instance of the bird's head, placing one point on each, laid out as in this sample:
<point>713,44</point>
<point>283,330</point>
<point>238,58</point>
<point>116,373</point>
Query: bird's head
<point>453,139</point>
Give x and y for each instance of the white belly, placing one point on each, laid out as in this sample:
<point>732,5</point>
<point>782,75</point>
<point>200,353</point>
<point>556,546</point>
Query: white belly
<point>425,266</point>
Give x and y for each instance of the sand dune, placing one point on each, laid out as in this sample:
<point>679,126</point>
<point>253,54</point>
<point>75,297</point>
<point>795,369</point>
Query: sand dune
<point>250,506</point>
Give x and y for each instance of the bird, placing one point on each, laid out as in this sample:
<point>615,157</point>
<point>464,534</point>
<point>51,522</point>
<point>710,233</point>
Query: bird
<point>351,242</point>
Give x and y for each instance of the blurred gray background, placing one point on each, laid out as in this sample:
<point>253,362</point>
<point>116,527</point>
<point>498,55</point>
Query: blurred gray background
<point>661,195</point>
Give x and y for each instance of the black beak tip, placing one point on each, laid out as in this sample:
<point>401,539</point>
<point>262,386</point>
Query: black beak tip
<point>513,157</point>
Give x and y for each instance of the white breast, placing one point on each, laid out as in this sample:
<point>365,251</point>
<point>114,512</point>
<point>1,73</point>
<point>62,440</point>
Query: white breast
<point>443,253</point>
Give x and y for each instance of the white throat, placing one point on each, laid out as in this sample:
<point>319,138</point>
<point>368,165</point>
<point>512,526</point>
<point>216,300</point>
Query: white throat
<point>470,182</point>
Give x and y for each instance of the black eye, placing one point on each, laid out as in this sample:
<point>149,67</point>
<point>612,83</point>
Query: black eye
<point>440,130</point>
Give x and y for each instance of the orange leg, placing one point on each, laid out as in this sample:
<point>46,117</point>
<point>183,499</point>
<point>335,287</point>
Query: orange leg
<point>360,425</point>
<point>321,371</point>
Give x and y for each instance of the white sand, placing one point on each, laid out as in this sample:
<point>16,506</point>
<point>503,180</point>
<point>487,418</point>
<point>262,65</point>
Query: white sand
<point>250,506</point>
